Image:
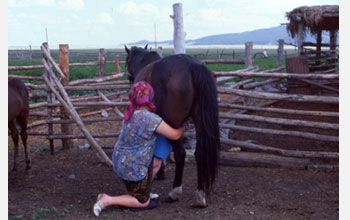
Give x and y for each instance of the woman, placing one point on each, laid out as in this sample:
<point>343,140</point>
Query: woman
<point>133,153</point>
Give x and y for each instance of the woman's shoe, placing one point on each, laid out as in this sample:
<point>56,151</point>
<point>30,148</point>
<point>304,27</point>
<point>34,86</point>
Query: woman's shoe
<point>152,204</point>
<point>98,206</point>
<point>153,196</point>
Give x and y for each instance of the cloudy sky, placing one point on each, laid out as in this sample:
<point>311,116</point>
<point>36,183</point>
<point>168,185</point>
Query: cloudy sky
<point>105,23</point>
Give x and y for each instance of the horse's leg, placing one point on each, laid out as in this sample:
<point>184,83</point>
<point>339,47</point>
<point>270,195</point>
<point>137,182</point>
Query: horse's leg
<point>14,135</point>
<point>180,155</point>
<point>22,120</point>
<point>200,195</point>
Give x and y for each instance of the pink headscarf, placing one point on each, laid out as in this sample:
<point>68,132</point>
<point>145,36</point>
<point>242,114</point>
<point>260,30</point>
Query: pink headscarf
<point>141,94</point>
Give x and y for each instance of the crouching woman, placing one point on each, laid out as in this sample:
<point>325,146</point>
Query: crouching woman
<point>133,153</point>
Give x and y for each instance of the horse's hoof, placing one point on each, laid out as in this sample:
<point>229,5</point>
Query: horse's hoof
<point>175,193</point>
<point>200,200</point>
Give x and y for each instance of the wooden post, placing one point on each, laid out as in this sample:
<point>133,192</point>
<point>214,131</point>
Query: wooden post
<point>64,66</point>
<point>248,54</point>
<point>50,100</point>
<point>179,34</point>
<point>318,47</point>
<point>117,66</point>
<point>280,53</point>
<point>300,37</point>
<point>333,39</point>
<point>30,52</point>
<point>333,44</point>
<point>117,69</point>
<point>102,59</point>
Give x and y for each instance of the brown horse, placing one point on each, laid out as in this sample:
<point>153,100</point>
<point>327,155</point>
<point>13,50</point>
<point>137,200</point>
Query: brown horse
<point>18,110</point>
<point>184,88</point>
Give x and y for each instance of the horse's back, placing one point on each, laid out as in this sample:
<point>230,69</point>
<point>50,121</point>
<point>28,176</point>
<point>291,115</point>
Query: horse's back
<point>18,101</point>
<point>18,86</point>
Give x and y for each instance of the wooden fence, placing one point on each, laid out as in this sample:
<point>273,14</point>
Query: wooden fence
<point>239,101</point>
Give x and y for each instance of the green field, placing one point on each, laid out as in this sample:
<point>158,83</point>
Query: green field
<point>92,55</point>
<point>80,72</point>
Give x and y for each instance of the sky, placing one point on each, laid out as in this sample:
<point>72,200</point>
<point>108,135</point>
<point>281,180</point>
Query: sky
<point>108,23</point>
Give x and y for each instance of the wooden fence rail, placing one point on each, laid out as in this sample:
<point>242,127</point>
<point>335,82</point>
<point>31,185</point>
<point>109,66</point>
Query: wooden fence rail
<point>271,96</point>
<point>241,91</point>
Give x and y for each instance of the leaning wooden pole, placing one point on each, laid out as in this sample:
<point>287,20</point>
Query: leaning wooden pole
<point>115,108</point>
<point>64,99</point>
<point>50,100</point>
<point>66,103</point>
<point>46,54</point>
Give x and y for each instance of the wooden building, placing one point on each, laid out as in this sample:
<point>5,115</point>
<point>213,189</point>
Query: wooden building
<point>316,19</point>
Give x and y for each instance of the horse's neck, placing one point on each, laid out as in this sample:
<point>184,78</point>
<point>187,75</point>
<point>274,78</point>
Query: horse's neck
<point>143,62</point>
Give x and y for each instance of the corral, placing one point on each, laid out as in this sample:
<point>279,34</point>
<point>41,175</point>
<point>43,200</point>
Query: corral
<point>263,125</point>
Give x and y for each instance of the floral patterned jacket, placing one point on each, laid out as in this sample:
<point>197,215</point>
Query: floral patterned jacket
<point>134,149</point>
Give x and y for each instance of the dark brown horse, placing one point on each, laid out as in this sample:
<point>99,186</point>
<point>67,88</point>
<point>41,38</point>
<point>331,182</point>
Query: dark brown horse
<point>184,88</point>
<point>18,110</point>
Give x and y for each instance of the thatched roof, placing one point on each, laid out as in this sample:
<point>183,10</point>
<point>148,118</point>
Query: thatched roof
<point>314,18</point>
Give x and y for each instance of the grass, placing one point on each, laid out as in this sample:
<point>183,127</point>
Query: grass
<point>41,213</point>
<point>83,72</point>
<point>43,148</point>
<point>75,73</point>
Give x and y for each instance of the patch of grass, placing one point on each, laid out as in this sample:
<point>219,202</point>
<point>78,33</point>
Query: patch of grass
<point>14,215</point>
<point>225,67</point>
<point>43,148</point>
<point>41,213</point>
<point>107,217</point>
<point>266,63</point>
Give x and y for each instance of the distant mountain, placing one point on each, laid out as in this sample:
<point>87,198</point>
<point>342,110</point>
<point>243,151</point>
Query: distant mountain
<point>267,36</point>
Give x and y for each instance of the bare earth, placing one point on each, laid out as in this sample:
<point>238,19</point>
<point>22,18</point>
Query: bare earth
<point>65,186</point>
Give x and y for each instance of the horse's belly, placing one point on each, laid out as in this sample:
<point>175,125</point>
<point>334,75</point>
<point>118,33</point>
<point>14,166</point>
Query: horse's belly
<point>175,109</point>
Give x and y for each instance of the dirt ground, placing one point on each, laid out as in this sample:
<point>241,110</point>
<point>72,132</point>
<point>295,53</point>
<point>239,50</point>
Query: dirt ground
<point>65,186</point>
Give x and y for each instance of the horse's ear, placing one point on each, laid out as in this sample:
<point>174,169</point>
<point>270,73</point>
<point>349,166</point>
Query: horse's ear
<point>146,46</point>
<point>126,49</point>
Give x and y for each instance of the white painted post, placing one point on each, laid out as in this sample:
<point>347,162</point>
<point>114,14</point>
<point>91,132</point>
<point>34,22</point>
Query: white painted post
<point>179,34</point>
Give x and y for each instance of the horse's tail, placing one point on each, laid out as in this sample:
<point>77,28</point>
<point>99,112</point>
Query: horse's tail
<point>208,134</point>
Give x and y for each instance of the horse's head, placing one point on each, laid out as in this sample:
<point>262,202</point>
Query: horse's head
<point>137,58</point>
